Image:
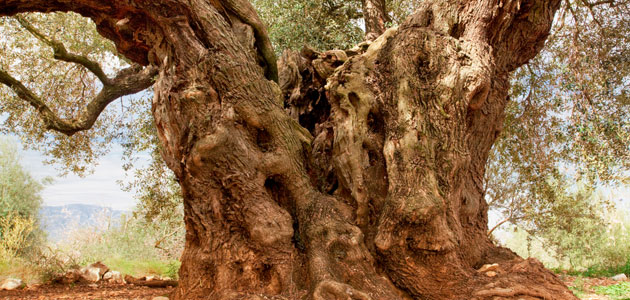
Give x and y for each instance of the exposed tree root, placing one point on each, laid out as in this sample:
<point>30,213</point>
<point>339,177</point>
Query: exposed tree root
<point>519,279</point>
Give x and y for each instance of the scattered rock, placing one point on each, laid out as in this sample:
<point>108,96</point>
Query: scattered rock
<point>69,277</point>
<point>91,274</point>
<point>491,273</point>
<point>93,285</point>
<point>149,278</point>
<point>10,284</point>
<point>102,268</point>
<point>160,298</point>
<point>486,268</point>
<point>107,276</point>
<point>619,277</point>
<point>94,272</point>
<point>114,277</point>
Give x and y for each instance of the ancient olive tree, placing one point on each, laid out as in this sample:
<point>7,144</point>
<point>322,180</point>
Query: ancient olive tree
<point>351,174</point>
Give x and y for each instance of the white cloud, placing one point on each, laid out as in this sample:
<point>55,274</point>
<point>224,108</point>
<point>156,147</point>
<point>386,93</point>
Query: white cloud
<point>99,188</point>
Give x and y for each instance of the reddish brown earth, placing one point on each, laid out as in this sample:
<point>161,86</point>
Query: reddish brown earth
<point>85,291</point>
<point>132,292</point>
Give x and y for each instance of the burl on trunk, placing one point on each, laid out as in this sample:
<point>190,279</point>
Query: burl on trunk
<point>359,175</point>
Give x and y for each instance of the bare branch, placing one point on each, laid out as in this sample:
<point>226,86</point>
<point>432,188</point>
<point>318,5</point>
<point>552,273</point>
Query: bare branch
<point>128,81</point>
<point>499,224</point>
<point>590,9</point>
<point>61,53</point>
<point>597,3</point>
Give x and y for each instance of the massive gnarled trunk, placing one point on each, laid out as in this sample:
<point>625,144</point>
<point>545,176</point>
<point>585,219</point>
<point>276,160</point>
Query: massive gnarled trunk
<point>360,175</point>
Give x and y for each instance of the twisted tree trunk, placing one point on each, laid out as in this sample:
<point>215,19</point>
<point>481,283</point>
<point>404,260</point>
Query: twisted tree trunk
<point>360,176</point>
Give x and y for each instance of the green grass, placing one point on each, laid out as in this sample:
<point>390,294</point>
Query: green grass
<point>17,268</point>
<point>620,291</point>
<point>598,271</point>
<point>139,268</point>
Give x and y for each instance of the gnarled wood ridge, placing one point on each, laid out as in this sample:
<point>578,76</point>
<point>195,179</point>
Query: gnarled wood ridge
<point>359,175</point>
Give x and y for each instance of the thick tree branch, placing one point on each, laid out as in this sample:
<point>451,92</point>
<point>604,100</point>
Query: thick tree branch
<point>107,14</point>
<point>61,53</point>
<point>128,81</point>
<point>245,12</point>
<point>375,16</point>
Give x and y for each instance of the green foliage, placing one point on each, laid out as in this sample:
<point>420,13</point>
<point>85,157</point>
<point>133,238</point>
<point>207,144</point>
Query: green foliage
<point>567,125</point>
<point>15,235</point>
<point>571,106</point>
<point>135,248</point>
<point>66,88</point>
<point>601,270</point>
<point>401,9</point>
<point>156,189</point>
<point>322,24</point>
<point>21,268</point>
<point>134,239</point>
<point>19,191</point>
<point>620,291</point>
<point>142,267</point>
<point>20,201</point>
<point>584,246</point>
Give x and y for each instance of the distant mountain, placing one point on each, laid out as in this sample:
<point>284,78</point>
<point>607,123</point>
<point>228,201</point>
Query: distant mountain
<point>59,221</point>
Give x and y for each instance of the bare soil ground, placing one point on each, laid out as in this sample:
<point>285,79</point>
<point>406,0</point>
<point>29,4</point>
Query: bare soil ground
<point>131,292</point>
<point>86,291</point>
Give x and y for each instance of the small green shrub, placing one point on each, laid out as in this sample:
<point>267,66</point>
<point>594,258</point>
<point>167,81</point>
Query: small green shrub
<point>15,231</point>
<point>172,270</point>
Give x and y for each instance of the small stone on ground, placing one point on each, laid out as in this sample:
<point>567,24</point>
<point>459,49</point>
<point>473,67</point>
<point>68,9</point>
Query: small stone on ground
<point>10,284</point>
<point>619,277</point>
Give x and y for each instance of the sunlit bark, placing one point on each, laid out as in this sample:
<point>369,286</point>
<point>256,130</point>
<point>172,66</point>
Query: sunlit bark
<point>371,187</point>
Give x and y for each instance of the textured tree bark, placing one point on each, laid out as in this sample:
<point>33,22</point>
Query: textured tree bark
<point>369,184</point>
<point>375,17</point>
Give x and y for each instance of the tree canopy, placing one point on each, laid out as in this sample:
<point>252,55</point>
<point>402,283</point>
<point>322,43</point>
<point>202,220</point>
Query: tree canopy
<point>340,165</point>
<point>568,120</point>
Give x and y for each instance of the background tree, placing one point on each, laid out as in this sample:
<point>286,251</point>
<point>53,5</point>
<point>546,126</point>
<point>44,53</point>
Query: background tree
<point>20,201</point>
<point>77,92</point>
<point>419,109</point>
<point>321,24</point>
<point>569,122</point>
